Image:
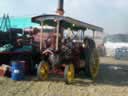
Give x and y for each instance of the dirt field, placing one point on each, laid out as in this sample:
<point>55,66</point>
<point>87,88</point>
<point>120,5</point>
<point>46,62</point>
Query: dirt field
<point>112,81</point>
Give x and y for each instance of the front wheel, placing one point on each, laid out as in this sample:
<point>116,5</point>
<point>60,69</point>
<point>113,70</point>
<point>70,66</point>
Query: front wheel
<point>69,73</point>
<point>42,71</point>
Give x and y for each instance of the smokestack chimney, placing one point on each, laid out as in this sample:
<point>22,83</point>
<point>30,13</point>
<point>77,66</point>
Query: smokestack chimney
<point>60,10</point>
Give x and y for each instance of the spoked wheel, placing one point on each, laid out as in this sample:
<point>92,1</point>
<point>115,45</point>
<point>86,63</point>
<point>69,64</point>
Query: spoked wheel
<point>69,73</point>
<point>92,64</point>
<point>42,71</point>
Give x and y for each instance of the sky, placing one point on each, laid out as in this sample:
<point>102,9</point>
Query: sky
<point>109,14</point>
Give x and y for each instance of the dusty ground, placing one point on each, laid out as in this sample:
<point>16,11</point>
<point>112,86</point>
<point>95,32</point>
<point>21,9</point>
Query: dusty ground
<point>112,81</point>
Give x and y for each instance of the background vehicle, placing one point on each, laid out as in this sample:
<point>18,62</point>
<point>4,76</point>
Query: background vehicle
<point>115,43</point>
<point>99,40</point>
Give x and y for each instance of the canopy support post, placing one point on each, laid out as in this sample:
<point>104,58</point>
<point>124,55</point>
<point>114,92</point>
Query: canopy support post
<point>57,35</point>
<point>93,34</point>
<point>41,36</point>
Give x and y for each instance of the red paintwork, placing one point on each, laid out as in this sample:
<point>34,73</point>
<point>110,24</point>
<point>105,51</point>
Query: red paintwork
<point>57,71</point>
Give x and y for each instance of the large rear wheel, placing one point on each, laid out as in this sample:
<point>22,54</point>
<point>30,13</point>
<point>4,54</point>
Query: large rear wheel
<point>92,63</point>
<point>42,71</point>
<point>69,73</point>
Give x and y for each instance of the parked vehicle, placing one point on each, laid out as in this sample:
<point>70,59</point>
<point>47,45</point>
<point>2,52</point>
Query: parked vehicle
<point>121,53</point>
<point>99,39</point>
<point>115,44</point>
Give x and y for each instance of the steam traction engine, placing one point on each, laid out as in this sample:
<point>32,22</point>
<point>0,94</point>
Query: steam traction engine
<point>65,50</point>
<point>66,55</point>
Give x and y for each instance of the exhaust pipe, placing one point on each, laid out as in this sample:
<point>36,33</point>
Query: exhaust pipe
<point>60,9</point>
